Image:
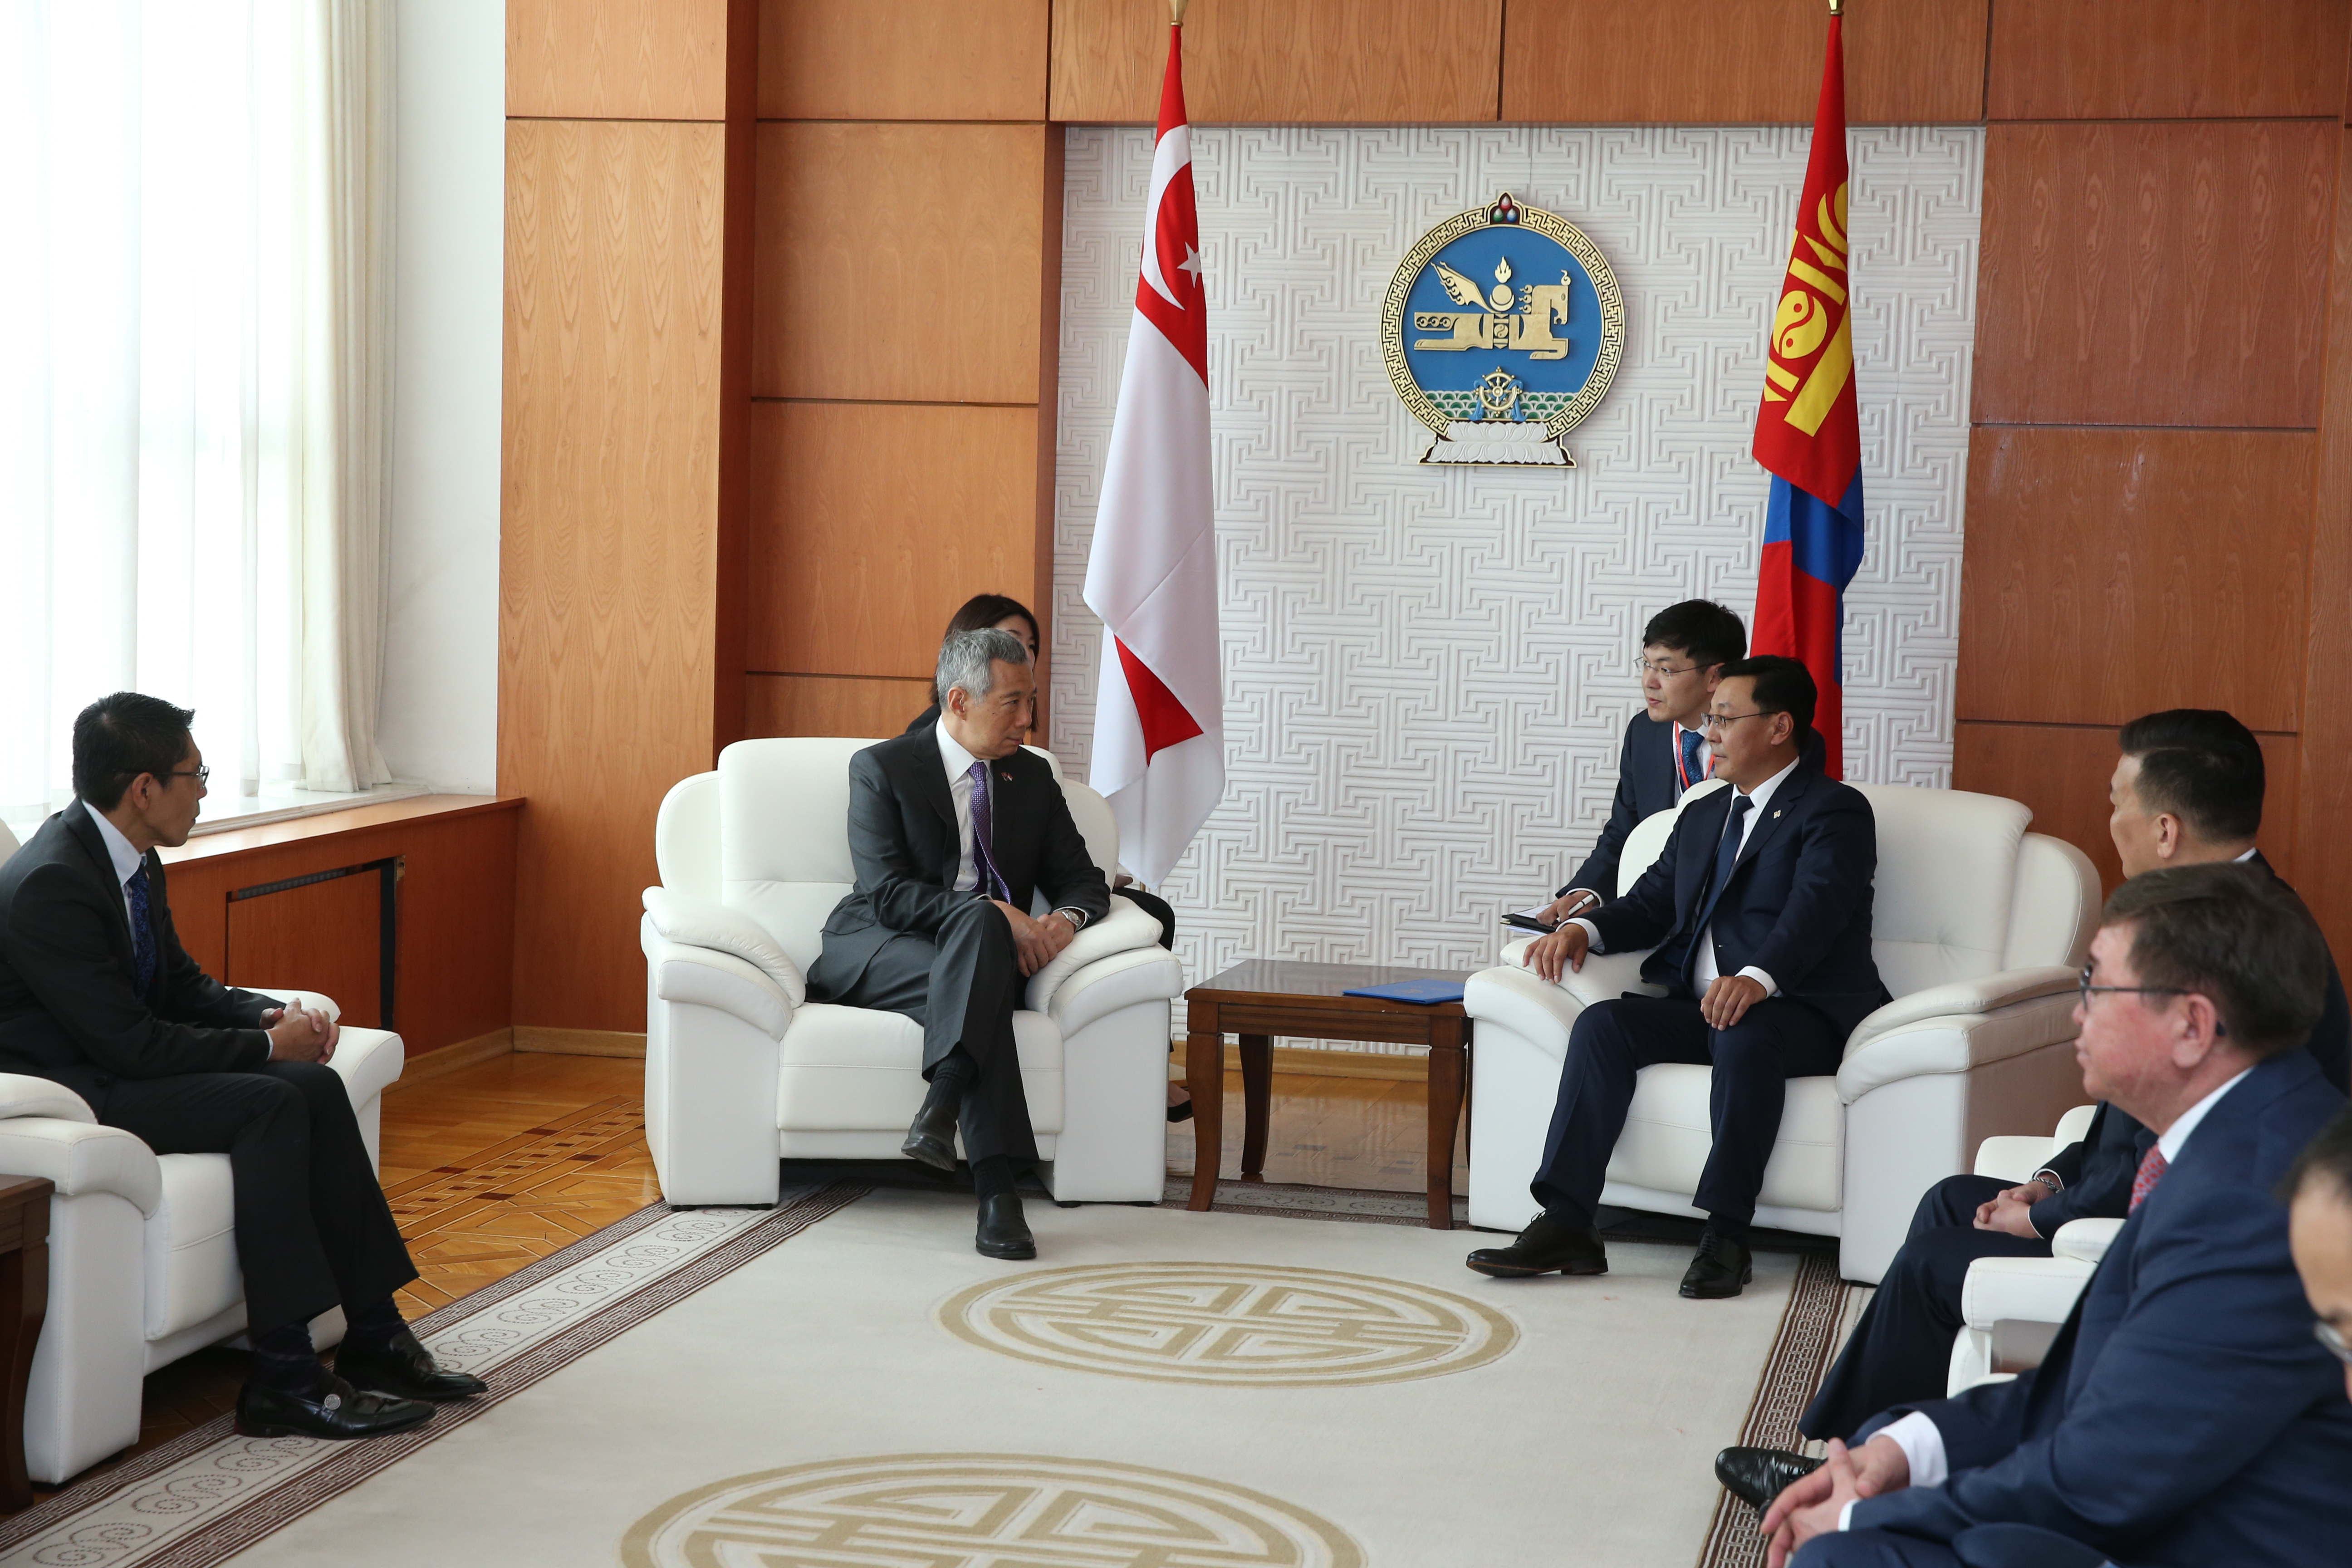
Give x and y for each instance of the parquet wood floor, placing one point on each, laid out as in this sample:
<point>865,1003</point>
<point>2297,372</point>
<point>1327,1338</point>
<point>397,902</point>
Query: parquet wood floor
<point>502,1163</point>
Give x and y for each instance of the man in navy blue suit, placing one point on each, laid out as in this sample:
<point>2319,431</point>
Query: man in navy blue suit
<point>2188,790</point>
<point>1758,914</point>
<point>2185,1415</point>
<point>1683,651</point>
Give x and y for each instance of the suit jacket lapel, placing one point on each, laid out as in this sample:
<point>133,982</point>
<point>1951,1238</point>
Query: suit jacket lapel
<point>93,844</point>
<point>1787,796</point>
<point>1691,879</point>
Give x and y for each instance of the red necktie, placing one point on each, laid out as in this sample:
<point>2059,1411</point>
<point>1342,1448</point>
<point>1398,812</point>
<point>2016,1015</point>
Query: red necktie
<point>2151,1171</point>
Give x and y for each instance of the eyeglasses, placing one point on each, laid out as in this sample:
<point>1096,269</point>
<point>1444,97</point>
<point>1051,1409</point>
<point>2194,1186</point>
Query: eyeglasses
<point>1644,667</point>
<point>2332,1336</point>
<point>202,772</point>
<point>1723,720</point>
<point>2083,984</point>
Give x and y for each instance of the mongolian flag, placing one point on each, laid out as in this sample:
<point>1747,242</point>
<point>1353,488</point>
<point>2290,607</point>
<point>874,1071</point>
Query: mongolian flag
<point>1808,433</point>
<point>1151,574</point>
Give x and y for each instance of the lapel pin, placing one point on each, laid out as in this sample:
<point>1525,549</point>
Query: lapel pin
<point>1776,815</point>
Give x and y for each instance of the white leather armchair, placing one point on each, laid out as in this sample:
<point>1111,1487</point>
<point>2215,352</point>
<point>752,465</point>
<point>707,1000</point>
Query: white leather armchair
<point>1978,928</point>
<point>2013,1307</point>
<point>143,1252</point>
<point>742,1070</point>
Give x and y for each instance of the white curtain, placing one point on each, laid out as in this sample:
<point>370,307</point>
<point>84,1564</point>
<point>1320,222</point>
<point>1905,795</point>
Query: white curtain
<point>195,302</point>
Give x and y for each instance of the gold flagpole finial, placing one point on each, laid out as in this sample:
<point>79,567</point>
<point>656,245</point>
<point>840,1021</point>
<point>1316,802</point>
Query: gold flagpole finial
<point>1837,7</point>
<point>1176,11</point>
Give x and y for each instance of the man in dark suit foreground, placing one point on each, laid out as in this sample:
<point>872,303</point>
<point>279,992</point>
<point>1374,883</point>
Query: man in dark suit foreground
<point>1684,649</point>
<point>2185,1413</point>
<point>2187,791</point>
<point>952,831</point>
<point>2319,1230</point>
<point>96,993</point>
<point>1759,912</point>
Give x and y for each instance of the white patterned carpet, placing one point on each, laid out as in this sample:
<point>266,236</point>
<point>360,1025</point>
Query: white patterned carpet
<point>1188,1391</point>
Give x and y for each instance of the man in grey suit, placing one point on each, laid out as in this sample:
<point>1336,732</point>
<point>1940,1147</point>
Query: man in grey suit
<point>953,830</point>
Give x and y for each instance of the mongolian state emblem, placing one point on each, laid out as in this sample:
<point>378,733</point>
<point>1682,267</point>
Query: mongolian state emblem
<point>1502,330</point>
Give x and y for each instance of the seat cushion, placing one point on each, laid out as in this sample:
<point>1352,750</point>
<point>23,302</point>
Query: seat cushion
<point>857,1070</point>
<point>191,1245</point>
<point>1668,1135</point>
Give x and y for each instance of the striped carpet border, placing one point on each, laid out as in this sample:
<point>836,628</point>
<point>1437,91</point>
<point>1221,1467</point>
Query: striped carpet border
<point>353,1463</point>
<point>1819,1314</point>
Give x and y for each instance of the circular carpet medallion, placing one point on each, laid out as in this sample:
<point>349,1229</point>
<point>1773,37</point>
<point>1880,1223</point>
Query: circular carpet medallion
<point>951,1511</point>
<point>1230,1323</point>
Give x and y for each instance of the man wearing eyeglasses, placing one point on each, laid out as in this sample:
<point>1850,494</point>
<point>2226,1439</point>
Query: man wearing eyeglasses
<point>1683,651</point>
<point>2187,790</point>
<point>2184,1417</point>
<point>1758,916</point>
<point>96,993</point>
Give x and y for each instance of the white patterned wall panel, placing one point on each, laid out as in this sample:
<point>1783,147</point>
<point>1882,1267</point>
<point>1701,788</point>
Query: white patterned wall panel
<point>1427,671</point>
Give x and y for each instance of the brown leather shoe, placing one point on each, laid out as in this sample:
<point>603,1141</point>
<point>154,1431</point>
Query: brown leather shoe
<point>1546,1246</point>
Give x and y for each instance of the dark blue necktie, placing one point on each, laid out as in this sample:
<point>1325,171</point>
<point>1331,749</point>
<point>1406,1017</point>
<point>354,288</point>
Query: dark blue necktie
<point>983,837</point>
<point>1694,758</point>
<point>142,931</point>
<point>1727,856</point>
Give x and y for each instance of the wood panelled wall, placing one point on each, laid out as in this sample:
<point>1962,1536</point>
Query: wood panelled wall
<point>782,312</point>
<point>2148,516</point>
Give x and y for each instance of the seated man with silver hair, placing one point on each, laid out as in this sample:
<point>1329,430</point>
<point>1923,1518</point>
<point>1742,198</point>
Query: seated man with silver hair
<point>953,829</point>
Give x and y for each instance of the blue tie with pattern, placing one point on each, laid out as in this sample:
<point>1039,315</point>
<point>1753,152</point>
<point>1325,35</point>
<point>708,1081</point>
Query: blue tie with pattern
<point>1727,854</point>
<point>142,930</point>
<point>983,836</point>
<point>1694,758</point>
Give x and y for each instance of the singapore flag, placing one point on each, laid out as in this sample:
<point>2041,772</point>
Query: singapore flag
<point>1160,725</point>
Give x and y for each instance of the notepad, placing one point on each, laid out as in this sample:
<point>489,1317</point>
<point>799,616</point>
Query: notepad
<point>1428,992</point>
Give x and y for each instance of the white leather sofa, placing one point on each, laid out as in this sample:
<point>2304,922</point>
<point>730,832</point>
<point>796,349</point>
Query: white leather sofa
<point>742,1070</point>
<point>1978,928</point>
<point>143,1252</point>
<point>2013,1307</point>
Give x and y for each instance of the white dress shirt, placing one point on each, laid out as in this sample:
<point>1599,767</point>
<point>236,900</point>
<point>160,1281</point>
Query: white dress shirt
<point>127,862</point>
<point>1921,1442</point>
<point>958,763</point>
<point>1703,970</point>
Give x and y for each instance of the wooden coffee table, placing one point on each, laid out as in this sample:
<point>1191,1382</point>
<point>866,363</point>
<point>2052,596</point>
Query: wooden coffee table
<point>24,1303</point>
<point>1268,996</point>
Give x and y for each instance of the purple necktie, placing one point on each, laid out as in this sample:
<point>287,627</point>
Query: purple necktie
<point>983,836</point>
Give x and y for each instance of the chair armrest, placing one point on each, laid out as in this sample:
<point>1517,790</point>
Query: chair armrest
<point>2034,1289</point>
<point>369,1060</point>
<point>1954,1042</point>
<point>1986,993</point>
<point>1101,988</point>
<point>2013,1158</point>
<point>2084,1240</point>
<point>1125,929</point>
<point>1605,976</point>
<point>300,997</point>
<point>82,1157</point>
<point>706,977</point>
<point>21,1094</point>
<point>692,922</point>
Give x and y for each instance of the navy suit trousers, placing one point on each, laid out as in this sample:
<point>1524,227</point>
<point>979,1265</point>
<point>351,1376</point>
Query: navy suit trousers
<point>1901,1352</point>
<point>1985,1546</point>
<point>1753,1060</point>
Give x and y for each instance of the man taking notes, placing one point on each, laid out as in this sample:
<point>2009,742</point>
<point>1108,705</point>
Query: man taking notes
<point>1759,912</point>
<point>1683,651</point>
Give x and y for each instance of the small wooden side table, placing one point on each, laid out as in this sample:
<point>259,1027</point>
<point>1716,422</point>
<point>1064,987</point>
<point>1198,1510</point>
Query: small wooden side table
<point>24,1302</point>
<point>1266,998</point>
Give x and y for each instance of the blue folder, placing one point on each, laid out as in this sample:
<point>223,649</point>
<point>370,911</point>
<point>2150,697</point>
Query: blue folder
<point>1426,992</point>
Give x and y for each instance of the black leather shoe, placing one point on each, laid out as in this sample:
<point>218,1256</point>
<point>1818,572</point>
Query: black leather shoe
<point>405,1369</point>
<point>931,1138</point>
<point>335,1409</point>
<point>1722,1267</point>
<point>1546,1246</point>
<point>1757,1475</point>
<point>1003,1231</point>
<point>1180,1111</point>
